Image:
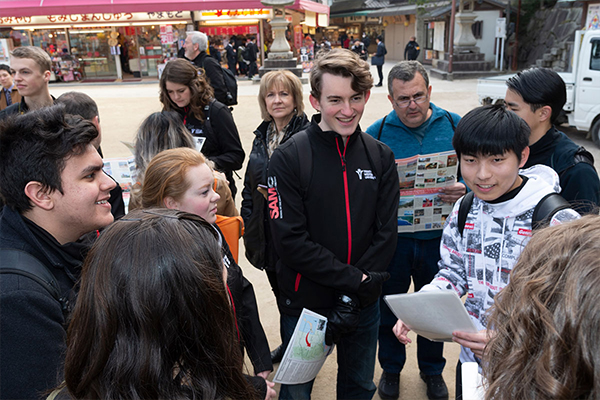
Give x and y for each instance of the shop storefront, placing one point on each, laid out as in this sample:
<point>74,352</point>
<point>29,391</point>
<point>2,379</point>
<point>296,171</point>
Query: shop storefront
<point>221,25</point>
<point>101,46</point>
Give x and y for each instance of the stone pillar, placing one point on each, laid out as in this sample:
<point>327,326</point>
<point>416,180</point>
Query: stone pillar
<point>464,41</point>
<point>280,56</point>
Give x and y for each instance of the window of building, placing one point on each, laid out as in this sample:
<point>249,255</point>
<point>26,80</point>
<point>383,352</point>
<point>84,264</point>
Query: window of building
<point>477,28</point>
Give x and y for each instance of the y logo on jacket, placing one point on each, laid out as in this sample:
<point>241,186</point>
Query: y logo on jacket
<point>365,174</point>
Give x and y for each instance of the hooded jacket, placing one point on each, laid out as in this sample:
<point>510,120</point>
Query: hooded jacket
<point>257,236</point>
<point>479,262</point>
<point>32,322</point>
<point>342,223</point>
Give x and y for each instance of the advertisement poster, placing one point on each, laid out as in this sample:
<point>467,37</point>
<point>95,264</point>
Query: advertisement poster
<point>421,178</point>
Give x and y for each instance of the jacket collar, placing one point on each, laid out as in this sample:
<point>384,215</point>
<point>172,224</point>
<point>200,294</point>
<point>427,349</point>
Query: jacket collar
<point>42,245</point>
<point>330,137</point>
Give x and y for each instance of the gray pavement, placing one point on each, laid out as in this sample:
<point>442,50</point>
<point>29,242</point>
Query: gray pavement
<point>124,106</point>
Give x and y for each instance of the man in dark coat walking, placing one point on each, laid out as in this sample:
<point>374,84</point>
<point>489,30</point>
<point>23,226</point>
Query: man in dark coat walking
<point>412,49</point>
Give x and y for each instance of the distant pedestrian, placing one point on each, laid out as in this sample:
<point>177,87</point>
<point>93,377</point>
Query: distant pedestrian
<point>231,53</point>
<point>412,49</point>
<point>379,58</point>
<point>9,94</point>
<point>252,51</point>
<point>366,41</point>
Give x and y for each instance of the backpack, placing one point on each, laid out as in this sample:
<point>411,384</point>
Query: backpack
<point>549,205</point>
<point>230,85</point>
<point>18,262</point>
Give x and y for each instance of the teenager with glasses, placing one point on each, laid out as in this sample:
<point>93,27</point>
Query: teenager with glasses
<point>414,126</point>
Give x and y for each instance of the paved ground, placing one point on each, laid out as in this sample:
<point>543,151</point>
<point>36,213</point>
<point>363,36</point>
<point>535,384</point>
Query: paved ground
<point>124,106</point>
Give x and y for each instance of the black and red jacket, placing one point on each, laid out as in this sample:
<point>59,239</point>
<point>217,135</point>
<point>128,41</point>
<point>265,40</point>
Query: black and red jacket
<point>343,222</point>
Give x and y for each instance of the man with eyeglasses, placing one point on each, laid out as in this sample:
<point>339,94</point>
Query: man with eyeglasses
<point>414,126</point>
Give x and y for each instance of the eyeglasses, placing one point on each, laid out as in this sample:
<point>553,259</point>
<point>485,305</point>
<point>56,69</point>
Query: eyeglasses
<point>419,99</point>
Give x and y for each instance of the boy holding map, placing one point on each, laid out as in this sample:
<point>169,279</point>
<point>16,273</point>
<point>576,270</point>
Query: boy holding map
<point>479,251</point>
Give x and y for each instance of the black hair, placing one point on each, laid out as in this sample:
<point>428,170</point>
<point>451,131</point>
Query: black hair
<point>78,103</point>
<point>540,87</point>
<point>491,130</point>
<point>5,68</point>
<point>35,147</point>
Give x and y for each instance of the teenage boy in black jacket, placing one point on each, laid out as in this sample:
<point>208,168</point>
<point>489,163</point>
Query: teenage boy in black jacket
<point>336,236</point>
<point>538,95</point>
<point>55,191</point>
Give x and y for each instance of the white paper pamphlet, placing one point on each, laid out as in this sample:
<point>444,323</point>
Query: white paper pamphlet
<point>421,178</point>
<point>123,171</point>
<point>306,352</point>
<point>433,315</point>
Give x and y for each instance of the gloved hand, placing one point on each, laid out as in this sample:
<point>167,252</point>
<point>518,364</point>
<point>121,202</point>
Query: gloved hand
<point>342,319</point>
<point>370,289</point>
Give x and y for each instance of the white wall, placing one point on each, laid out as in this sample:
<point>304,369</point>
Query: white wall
<point>487,41</point>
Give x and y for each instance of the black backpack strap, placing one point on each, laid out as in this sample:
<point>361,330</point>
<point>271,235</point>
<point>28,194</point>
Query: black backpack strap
<point>451,121</point>
<point>549,205</point>
<point>373,153</point>
<point>582,155</point>
<point>381,128</point>
<point>304,159</point>
<point>18,262</point>
<point>463,211</point>
<point>207,111</point>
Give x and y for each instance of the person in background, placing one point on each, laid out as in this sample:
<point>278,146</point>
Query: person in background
<point>32,68</point>
<point>282,109</point>
<point>366,41</point>
<point>359,49</point>
<point>252,52</point>
<point>231,52</point>
<point>153,319</point>
<point>77,103</point>
<point>181,179</point>
<point>55,190</point>
<point>209,121</point>
<point>162,131</point>
<point>538,95</point>
<point>8,93</point>
<point>412,49</point>
<point>378,58</point>
<point>415,126</point>
<point>241,51</point>
<point>545,343</point>
<point>195,45</point>
<point>214,51</point>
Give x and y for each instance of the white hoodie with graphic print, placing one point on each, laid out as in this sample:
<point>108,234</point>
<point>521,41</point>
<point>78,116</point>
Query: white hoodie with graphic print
<point>478,264</point>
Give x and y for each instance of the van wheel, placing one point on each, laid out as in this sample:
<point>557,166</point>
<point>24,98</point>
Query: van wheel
<point>595,131</point>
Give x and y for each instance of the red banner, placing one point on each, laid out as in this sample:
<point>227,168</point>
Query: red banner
<point>229,30</point>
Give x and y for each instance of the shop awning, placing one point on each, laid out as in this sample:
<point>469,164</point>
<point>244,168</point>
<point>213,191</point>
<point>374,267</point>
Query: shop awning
<point>27,8</point>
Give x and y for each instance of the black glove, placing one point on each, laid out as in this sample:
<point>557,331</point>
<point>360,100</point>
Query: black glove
<point>342,319</point>
<point>370,289</point>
